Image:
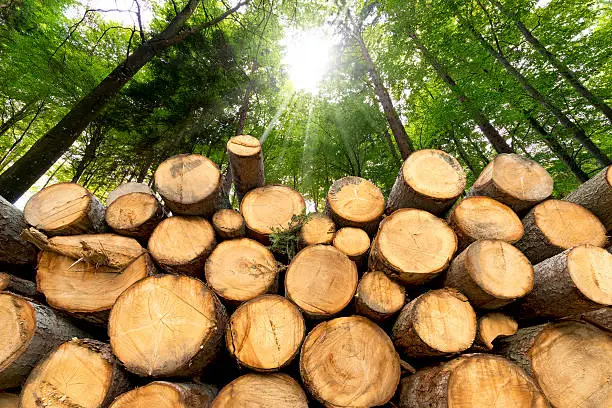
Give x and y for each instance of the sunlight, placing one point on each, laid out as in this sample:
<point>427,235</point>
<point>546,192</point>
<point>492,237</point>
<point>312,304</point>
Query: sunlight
<point>307,58</point>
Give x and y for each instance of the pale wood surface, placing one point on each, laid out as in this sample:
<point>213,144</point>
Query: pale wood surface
<point>262,391</point>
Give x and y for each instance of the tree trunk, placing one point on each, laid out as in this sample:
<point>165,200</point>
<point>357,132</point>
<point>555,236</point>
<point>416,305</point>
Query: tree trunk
<point>264,390</point>
<point>387,139</point>
<point>378,297</point>
<point>13,249</point>
<point>20,138</point>
<point>169,395</point>
<point>462,153</point>
<point>229,224</point>
<point>245,163</point>
<point>596,195</point>
<point>17,116</point>
<point>22,287</point>
<point>97,136</point>
<point>601,318</point>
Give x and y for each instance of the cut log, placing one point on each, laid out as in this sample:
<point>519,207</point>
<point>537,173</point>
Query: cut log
<point>229,224</point>
<point>246,162</point>
<point>17,285</point>
<point>491,274</point>
<point>494,325</point>
<point>412,246</point>
<point>354,243</point>
<point>134,215</point>
<point>378,297</point>
<point>167,326</point>
<point>355,202</point>
<point>270,208</point>
<point>262,391</point>
<point>127,188</point>
<point>575,281</point>
<point>189,184</point>
<point>8,400</point>
<point>554,226</point>
<point>29,332</point>
<point>181,245</point>
<point>513,180</point>
<point>79,373</point>
<point>349,362</point>
<point>596,196</point>
<point>163,394</point>
<point>65,209</point>
<point>437,323</point>
<point>14,250</point>
<point>570,361</point>
<point>471,381</point>
<point>429,180</point>
<point>319,229</point>
<point>476,218</point>
<point>321,280</point>
<point>241,269</point>
<point>601,318</point>
<point>265,334</point>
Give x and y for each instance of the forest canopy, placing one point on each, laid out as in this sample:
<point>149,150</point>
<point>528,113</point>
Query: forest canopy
<point>100,92</point>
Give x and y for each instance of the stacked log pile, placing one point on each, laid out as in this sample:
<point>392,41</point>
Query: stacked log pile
<point>166,297</point>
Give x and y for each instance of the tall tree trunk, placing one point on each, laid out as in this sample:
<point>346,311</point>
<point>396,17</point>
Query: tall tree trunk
<point>49,148</point>
<point>462,153</point>
<point>14,119</point>
<point>577,133</point>
<point>90,151</point>
<point>561,68</point>
<point>20,138</point>
<point>492,135</point>
<point>385,136</point>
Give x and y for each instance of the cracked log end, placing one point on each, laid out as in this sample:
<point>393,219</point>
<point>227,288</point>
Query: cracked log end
<point>262,390</point>
<point>162,394</point>
<point>355,202</point>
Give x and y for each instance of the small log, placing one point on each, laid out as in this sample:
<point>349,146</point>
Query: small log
<point>596,196</point>
<point>168,395</point>
<point>127,188</point>
<point>265,334</point>
<point>474,381</point>
<point>513,180</point>
<point>554,226</point>
<point>354,243</point>
<point>17,285</point>
<point>241,269</point>
<point>570,361</point>
<point>29,332</point>
<point>321,280</point>
<point>319,229</point>
<point>269,208</point>
<point>65,209</point>
<point>573,282</point>
<point>437,323</point>
<point>349,362</point>
<point>134,215</point>
<point>167,326</point>
<point>493,326</point>
<point>429,180</point>
<point>181,245</point>
<point>229,224</point>
<point>189,184</point>
<point>601,318</point>
<point>262,390</point>
<point>246,162</point>
<point>378,297</point>
<point>8,400</point>
<point>491,274</point>
<point>14,250</point>
<point>476,218</point>
<point>412,246</point>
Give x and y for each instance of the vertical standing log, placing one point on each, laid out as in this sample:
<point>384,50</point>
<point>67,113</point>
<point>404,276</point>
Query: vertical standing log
<point>167,395</point>
<point>378,297</point>
<point>319,229</point>
<point>246,162</point>
<point>229,224</point>
<point>596,196</point>
<point>262,390</point>
<point>13,249</point>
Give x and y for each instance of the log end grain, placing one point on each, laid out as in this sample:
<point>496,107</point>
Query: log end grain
<point>494,325</point>
<point>18,319</point>
<point>229,224</point>
<point>262,390</point>
<point>355,202</point>
<point>378,297</point>
<point>163,394</point>
<point>591,271</point>
<point>127,188</point>
<point>244,146</point>
<point>319,229</point>
<point>354,242</point>
<point>134,214</point>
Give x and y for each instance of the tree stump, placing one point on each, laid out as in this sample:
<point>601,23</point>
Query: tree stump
<point>378,297</point>
<point>163,394</point>
<point>14,250</point>
<point>134,215</point>
<point>246,162</point>
<point>596,196</point>
<point>494,325</point>
<point>127,188</point>
<point>229,224</point>
<point>354,243</point>
<point>319,229</point>
<point>262,391</point>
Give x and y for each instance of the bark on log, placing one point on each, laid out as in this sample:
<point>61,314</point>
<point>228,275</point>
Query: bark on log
<point>17,285</point>
<point>262,391</point>
<point>596,196</point>
<point>553,226</point>
<point>13,249</point>
<point>167,395</point>
<point>167,326</point>
<point>570,361</point>
<point>491,274</point>
<point>127,188</point>
<point>319,229</point>
<point>65,209</point>
<point>229,224</point>
<point>601,318</point>
<point>429,180</point>
<point>355,202</point>
<point>79,373</point>
<point>492,326</point>
<point>29,332</point>
<point>246,160</point>
<point>513,180</point>
<point>189,184</point>
<point>378,297</point>
<point>321,280</point>
<point>354,243</point>
<point>349,361</point>
<point>412,246</point>
<point>135,215</point>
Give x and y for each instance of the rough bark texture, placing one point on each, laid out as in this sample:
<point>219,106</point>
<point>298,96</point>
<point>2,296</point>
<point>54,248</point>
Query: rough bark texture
<point>596,196</point>
<point>17,285</point>
<point>13,249</point>
<point>601,318</point>
<point>246,162</point>
<point>167,394</point>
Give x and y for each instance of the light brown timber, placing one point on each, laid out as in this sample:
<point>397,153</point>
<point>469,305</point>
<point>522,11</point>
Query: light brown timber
<point>319,229</point>
<point>493,326</point>
<point>262,391</point>
<point>127,188</point>
<point>378,297</point>
<point>135,215</point>
<point>596,196</point>
<point>354,242</point>
<point>163,394</point>
<point>246,162</point>
<point>229,224</point>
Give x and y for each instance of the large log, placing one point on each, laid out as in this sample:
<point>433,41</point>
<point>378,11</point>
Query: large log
<point>246,162</point>
<point>437,323</point>
<point>167,326</point>
<point>127,188</point>
<point>321,280</point>
<point>65,209</point>
<point>412,246</point>
<point>349,362</point>
<point>265,334</point>
<point>319,229</point>
<point>17,285</point>
<point>134,215</point>
<point>79,373</point>
<point>189,184</point>
<point>493,326</point>
<point>181,245</point>
<point>596,196</point>
<point>575,281</point>
<point>262,391</point>
<point>513,180</point>
<point>570,361</point>
<point>241,269</point>
<point>471,381</point>
<point>429,180</point>
<point>476,218</point>
<point>554,226</point>
<point>491,274</point>
<point>29,332</point>
<point>163,394</point>
<point>229,224</point>
<point>355,202</point>
<point>14,250</point>
<point>378,297</point>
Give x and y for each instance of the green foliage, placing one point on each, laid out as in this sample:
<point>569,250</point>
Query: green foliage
<point>286,241</point>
